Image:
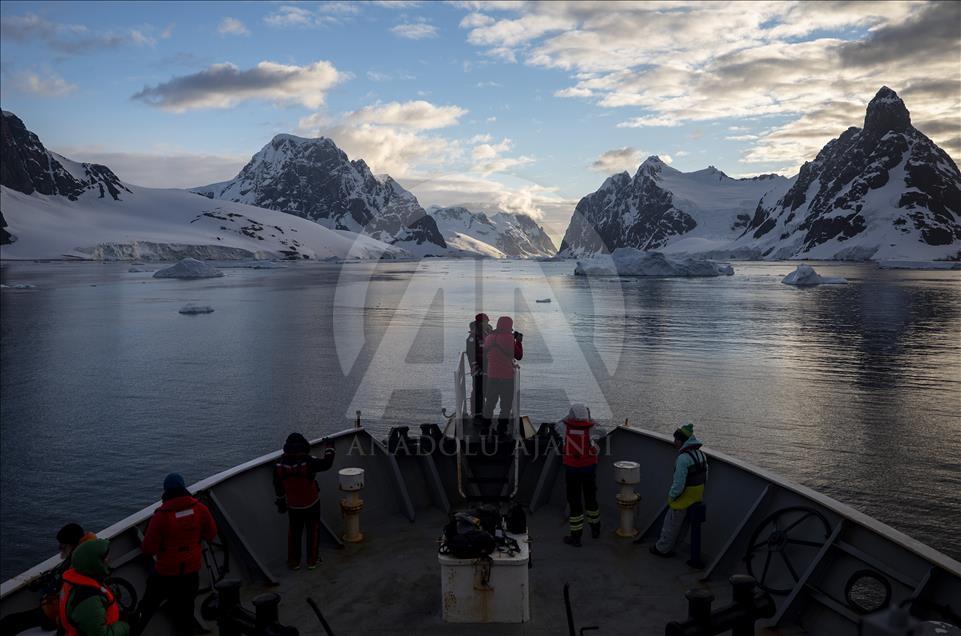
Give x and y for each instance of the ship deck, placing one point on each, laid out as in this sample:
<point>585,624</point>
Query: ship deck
<point>391,584</point>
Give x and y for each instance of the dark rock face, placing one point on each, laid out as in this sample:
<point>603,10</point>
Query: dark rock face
<point>626,212</point>
<point>5,237</point>
<point>423,230</point>
<point>831,199</point>
<point>314,179</point>
<point>27,166</point>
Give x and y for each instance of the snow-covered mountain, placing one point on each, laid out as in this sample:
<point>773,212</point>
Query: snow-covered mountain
<point>884,191</point>
<point>497,235</point>
<point>54,208</point>
<point>665,209</point>
<point>314,179</point>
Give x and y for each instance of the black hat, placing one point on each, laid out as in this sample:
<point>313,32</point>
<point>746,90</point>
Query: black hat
<point>296,443</point>
<point>70,534</point>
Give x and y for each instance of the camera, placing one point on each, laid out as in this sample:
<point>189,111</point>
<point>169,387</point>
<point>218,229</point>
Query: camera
<point>518,336</point>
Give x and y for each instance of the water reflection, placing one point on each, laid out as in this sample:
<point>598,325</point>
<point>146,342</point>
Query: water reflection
<point>854,390</point>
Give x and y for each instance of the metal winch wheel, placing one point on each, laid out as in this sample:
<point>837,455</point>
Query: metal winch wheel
<point>786,533</point>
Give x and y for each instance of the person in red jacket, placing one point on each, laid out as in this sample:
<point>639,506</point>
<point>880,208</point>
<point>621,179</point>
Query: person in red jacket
<point>173,538</point>
<point>580,468</point>
<point>298,495</point>
<point>501,348</point>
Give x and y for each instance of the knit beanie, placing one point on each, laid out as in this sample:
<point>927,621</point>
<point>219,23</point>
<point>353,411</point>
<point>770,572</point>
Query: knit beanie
<point>174,480</point>
<point>685,432</point>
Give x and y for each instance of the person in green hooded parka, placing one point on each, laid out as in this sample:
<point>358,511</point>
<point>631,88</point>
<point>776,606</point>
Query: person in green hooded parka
<point>87,607</point>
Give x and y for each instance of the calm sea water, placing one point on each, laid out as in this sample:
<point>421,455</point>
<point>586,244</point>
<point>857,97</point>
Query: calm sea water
<point>853,390</point>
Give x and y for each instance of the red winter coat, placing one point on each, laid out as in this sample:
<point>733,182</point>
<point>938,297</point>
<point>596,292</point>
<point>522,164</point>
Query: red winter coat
<point>501,349</point>
<point>579,452</point>
<point>174,535</point>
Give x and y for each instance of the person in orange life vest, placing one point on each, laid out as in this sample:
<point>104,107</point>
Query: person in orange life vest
<point>87,607</point>
<point>47,615</point>
<point>477,331</point>
<point>173,538</point>
<point>580,468</point>
<point>501,348</point>
<point>687,488</point>
<point>299,496</point>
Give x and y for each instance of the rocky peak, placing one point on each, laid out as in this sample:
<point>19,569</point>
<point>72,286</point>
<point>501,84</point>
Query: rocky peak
<point>886,113</point>
<point>27,166</point>
<point>651,167</point>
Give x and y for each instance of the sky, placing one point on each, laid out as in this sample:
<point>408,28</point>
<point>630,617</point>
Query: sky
<point>517,106</point>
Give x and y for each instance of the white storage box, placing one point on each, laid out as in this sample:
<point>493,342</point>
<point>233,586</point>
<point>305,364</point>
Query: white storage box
<point>503,598</point>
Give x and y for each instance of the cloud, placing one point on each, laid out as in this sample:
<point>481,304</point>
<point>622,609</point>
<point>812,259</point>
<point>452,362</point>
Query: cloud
<point>50,85</point>
<point>396,151</point>
<point>225,85</point>
<point>474,20</point>
<point>487,157</point>
<point>415,30</point>
<point>175,169</point>
<point>396,4</point>
<point>298,17</point>
<point>485,194</point>
<point>232,26</point>
<point>668,64</point>
<point>419,115</point>
<point>618,160</point>
<point>69,38</point>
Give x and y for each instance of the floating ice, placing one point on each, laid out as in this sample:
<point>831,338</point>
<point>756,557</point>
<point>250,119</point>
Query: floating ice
<point>805,276</point>
<point>543,300</point>
<point>191,309</point>
<point>189,268</point>
<point>919,264</point>
<point>138,270</point>
<point>19,286</point>
<point>628,261</point>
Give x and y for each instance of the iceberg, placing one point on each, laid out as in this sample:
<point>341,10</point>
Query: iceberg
<point>19,286</point>
<point>805,276</point>
<point>628,261</point>
<point>189,268</point>
<point>137,270</point>
<point>191,309</point>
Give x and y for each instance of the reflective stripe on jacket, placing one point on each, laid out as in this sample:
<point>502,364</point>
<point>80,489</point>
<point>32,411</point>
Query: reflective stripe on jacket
<point>174,534</point>
<point>579,451</point>
<point>690,476</point>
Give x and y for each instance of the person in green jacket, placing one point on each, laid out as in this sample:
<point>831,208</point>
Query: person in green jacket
<point>87,608</point>
<point>687,488</point>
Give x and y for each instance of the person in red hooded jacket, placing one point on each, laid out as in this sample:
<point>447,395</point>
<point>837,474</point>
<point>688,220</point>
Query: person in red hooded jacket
<point>173,538</point>
<point>580,468</point>
<point>298,495</point>
<point>501,348</point>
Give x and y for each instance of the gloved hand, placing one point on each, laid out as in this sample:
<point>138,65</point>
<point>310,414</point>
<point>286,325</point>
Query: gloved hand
<point>329,451</point>
<point>281,503</point>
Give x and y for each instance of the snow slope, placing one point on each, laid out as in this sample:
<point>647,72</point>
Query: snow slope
<point>665,209</point>
<point>497,235</point>
<point>54,207</point>
<point>154,224</point>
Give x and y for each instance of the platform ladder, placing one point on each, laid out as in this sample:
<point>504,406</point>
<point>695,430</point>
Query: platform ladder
<point>488,469</point>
